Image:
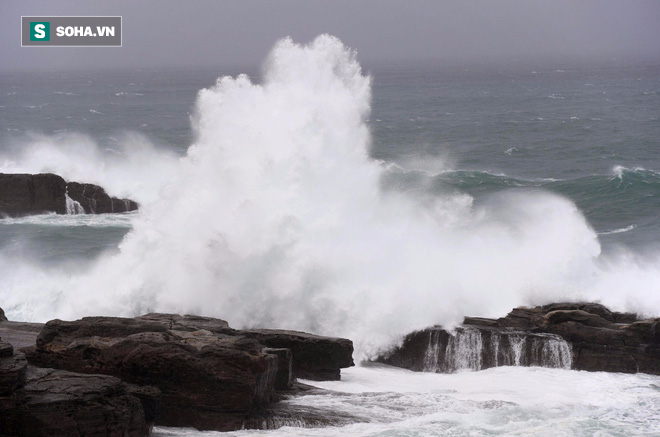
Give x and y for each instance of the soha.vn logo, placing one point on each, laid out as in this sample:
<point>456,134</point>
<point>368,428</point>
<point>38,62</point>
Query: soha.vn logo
<point>39,31</point>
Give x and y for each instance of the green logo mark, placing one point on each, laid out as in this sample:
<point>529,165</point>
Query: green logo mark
<point>39,30</point>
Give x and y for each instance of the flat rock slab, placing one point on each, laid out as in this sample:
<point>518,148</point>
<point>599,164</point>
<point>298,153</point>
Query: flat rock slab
<point>20,334</point>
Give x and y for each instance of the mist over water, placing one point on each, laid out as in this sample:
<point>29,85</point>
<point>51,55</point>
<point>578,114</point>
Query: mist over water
<point>136,168</point>
<point>278,217</point>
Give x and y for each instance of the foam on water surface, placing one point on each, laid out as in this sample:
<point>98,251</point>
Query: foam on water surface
<point>499,401</point>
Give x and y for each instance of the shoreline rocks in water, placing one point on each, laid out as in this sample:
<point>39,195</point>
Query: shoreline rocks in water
<point>31,194</point>
<point>119,376</point>
<point>579,336</point>
<point>211,377</point>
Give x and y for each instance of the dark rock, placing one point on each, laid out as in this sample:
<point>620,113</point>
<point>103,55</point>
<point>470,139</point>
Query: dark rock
<point>522,318</point>
<point>480,321</point>
<point>189,322</point>
<point>95,200</point>
<point>579,316</point>
<point>314,357</point>
<point>149,397</point>
<point>415,350</point>
<point>589,308</point>
<point>3,318</point>
<point>596,338</point>
<point>284,377</point>
<point>12,373</point>
<point>624,317</point>
<point>477,347</point>
<point>6,349</point>
<point>27,194</point>
<point>648,330</point>
<point>57,403</point>
<point>208,381</point>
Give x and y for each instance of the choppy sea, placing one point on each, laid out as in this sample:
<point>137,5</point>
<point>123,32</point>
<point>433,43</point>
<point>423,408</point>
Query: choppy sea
<point>366,201</point>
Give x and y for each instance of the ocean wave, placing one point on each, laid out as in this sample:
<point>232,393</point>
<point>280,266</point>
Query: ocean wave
<point>123,220</point>
<point>618,231</point>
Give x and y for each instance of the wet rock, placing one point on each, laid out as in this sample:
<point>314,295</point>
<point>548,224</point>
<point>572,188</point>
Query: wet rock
<point>28,194</point>
<point>208,381</point>
<point>579,316</point>
<point>314,357</point>
<point>13,369</point>
<point>188,322</point>
<point>476,348</point>
<point>597,339</point>
<point>284,377</point>
<point>6,349</point>
<point>95,200</point>
<point>57,403</point>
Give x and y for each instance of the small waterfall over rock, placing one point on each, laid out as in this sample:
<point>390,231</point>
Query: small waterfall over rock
<point>73,206</point>
<point>469,348</point>
<point>563,335</point>
<point>464,351</point>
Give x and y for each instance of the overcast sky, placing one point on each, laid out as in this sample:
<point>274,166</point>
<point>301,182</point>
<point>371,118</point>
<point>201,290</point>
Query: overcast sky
<point>195,33</point>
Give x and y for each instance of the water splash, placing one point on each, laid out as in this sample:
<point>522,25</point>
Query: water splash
<point>464,351</point>
<point>469,348</point>
<point>276,217</point>
<point>73,207</point>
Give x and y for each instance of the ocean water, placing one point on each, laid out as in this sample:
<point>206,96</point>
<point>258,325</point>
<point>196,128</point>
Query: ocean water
<point>317,194</point>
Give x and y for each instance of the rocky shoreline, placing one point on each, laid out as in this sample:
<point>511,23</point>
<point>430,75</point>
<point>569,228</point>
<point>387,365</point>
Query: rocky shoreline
<point>121,376</point>
<point>29,194</point>
<point>578,336</point>
<point>163,369</point>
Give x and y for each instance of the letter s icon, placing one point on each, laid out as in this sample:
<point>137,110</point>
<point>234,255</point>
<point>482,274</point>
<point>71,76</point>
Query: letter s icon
<point>39,31</point>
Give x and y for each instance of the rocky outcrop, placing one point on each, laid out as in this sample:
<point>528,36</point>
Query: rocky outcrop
<point>208,381</point>
<point>3,318</point>
<point>46,402</point>
<point>57,403</point>
<point>210,375</point>
<point>95,200</point>
<point>13,368</point>
<point>314,357</point>
<point>581,336</point>
<point>28,194</point>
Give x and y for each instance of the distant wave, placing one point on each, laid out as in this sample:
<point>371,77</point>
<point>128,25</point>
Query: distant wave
<point>618,231</point>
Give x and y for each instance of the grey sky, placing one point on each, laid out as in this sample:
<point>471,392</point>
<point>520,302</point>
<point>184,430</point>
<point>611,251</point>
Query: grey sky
<point>181,33</point>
